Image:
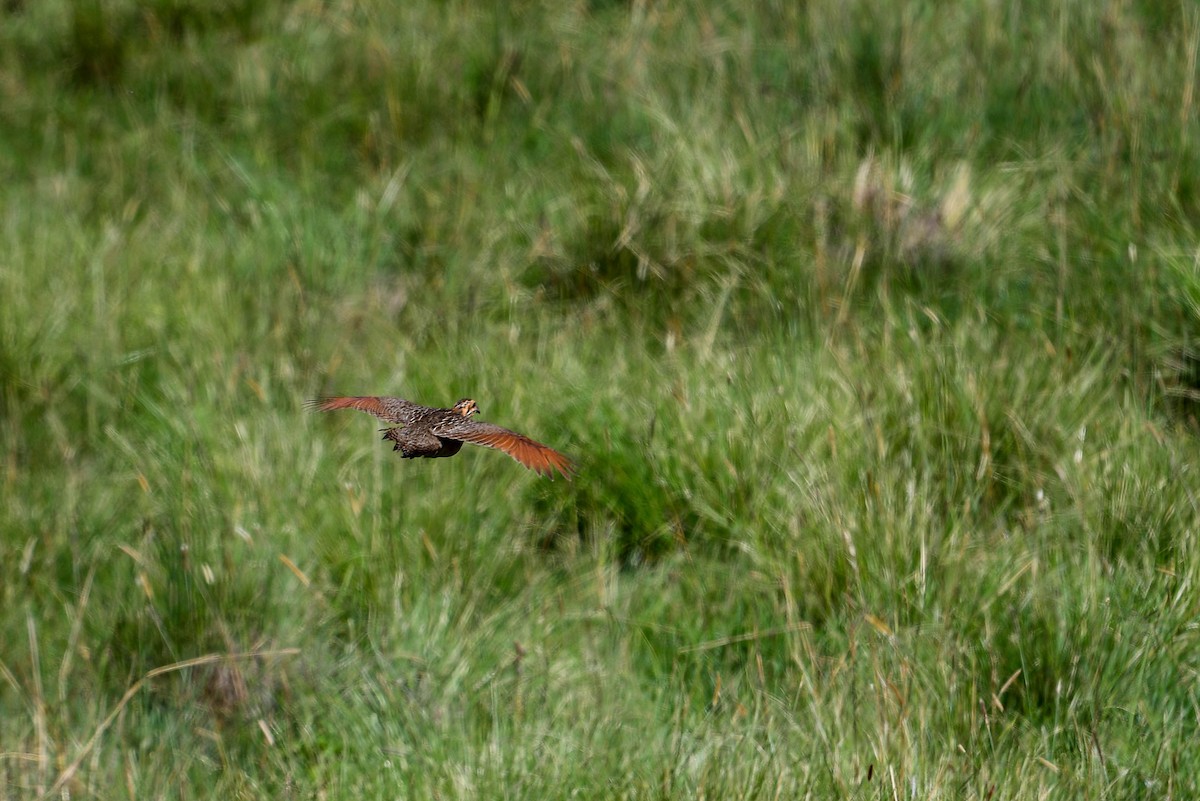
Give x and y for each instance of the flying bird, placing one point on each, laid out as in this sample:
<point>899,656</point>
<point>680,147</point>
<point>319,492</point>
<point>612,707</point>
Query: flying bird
<point>422,431</point>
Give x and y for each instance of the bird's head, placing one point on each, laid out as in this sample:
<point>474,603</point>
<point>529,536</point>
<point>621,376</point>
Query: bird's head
<point>466,407</point>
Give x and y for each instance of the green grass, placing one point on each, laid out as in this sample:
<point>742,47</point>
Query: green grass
<point>873,328</point>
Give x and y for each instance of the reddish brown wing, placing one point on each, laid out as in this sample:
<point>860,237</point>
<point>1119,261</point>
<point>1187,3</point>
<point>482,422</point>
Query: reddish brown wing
<point>534,455</point>
<point>393,410</point>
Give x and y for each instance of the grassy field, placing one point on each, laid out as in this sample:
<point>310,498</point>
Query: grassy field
<point>872,326</point>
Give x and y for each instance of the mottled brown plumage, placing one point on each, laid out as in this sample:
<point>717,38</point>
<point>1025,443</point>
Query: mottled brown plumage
<point>423,431</point>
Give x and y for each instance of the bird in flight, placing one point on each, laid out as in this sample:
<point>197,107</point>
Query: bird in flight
<point>423,431</point>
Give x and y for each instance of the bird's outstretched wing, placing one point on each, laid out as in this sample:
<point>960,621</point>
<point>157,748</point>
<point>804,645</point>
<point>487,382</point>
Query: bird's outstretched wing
<point>393,410</point>
<point>534,455</point>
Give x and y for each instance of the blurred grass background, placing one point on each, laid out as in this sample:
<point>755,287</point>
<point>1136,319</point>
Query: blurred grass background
<point>872,326</point>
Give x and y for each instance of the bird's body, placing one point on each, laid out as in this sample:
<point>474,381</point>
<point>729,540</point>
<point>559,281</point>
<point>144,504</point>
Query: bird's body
<point>427,432</point>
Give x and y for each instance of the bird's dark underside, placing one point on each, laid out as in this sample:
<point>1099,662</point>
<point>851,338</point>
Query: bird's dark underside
<point>414,445</point>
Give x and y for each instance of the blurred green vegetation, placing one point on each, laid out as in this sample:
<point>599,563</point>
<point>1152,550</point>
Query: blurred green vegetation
<point>872,326</point>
